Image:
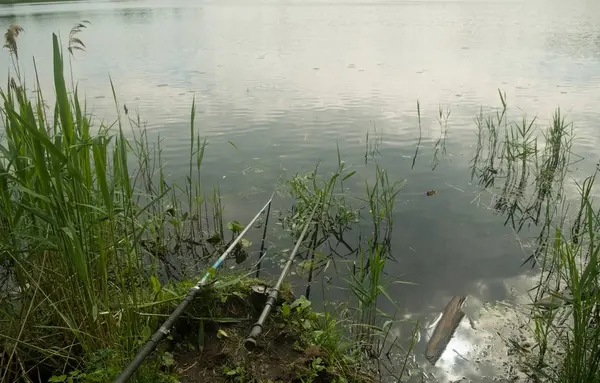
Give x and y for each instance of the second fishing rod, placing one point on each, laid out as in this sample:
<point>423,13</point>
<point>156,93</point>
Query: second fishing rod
<point>257,329</point>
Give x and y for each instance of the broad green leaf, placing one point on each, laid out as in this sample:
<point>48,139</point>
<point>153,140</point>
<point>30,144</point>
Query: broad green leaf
<point>62,98</point>
<point>235,226</point>
<point>349,175</point>
<point>222,334</point>
<point>155,284</point>
<point>167,359</point>
<point>146,332</point>
<point>245,242</point>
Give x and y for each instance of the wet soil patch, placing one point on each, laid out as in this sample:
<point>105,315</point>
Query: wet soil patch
<point>278,358</point>
<point>208,346</point>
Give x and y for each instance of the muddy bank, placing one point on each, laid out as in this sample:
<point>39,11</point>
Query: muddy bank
<point>297,345</point>
<point>280,358</point>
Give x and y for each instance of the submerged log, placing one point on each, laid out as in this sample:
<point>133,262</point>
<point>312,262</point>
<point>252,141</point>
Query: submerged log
<point>445,328</point>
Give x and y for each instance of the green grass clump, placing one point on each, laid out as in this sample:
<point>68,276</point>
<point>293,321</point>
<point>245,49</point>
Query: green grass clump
<point>70,235</point>
<point>84,239</point>
<point>566,312</point>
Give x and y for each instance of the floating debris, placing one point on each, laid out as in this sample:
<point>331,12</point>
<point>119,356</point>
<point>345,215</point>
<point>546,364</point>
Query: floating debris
<point>444,330</point>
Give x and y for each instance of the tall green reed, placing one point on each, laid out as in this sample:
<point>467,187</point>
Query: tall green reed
<point>372,143</point>
<point>440,144</point>
<point>566,322</point>
<point>63,216</point>
<point>86,228</point>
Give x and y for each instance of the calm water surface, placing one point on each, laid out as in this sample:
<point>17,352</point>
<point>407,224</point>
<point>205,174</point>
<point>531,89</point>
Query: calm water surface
<point>285,80</point>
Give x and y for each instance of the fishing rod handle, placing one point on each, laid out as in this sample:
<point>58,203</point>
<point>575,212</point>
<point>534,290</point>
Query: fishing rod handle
<point>257,329</point>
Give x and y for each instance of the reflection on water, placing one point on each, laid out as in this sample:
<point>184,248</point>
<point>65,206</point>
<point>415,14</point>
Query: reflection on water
<point>478,351</point>
<point>285,81</point>
<point>525,168</point>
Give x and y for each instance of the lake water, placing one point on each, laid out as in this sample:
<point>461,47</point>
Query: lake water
<point>278,83</point>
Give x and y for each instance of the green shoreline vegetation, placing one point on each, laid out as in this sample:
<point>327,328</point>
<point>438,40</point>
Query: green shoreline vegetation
<point>86,242</point>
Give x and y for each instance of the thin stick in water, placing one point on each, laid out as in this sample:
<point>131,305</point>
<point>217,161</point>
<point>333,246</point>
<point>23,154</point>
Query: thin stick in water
<point>420,136</point>
<point>262,241</point>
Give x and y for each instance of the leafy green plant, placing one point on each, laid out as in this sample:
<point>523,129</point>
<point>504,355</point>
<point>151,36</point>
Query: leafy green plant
<point>236,374</point>
<point>363,322</point>
<point>323,339</point>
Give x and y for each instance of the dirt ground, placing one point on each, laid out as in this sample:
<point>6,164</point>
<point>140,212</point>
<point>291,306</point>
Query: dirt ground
<point>212,350</point>
<point>223,358</point>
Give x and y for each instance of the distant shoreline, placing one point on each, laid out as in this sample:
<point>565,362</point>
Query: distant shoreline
<point>5,2</point>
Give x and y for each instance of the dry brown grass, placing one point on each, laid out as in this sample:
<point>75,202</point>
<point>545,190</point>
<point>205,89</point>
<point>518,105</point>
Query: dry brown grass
<point>10,39</point>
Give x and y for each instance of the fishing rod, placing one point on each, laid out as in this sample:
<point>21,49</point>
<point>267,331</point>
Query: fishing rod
<point>166,326</point>
<point>250,342</point>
